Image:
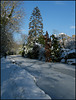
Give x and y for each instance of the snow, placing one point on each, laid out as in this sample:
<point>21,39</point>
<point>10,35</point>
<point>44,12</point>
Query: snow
<point>62,34</point>
<point>67,51</point>
<point>17,83</point>
<point>64,54</point>
<point>38,44</point>
<point>72,51</point>
<point>70,61</point>
<point>55,79</point>
<point>13,61</point>
<point>63,60</point>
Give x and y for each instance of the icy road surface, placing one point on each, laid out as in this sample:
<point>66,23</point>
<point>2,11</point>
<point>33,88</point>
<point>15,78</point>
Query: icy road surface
<point>55,79</point>
<point>17,83</point>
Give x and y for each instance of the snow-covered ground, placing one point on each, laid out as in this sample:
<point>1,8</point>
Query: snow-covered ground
<point>17,83</point>
<point>55,79</point>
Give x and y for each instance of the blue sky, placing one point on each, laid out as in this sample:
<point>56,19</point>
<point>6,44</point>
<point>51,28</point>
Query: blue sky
<point>56,15</point>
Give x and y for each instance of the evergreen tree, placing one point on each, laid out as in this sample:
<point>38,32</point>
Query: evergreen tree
<point>35,25</point>
<point>56,49</point>
<point>41,40</point>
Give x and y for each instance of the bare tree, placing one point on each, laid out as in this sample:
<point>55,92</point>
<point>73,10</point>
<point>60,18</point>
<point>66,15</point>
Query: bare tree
<point>24,38</point>
<point>11,18</point>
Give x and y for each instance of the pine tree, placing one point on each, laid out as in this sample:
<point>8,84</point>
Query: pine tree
<point>35,25</point>
<point>41,40</point>
<point>56,49</point>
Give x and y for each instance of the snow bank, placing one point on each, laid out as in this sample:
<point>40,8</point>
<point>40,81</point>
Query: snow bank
<point>17,83</point>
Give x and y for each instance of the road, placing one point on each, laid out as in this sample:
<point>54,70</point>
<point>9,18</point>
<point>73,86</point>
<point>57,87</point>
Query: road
<point>55,79</point>
<point>17,83</point>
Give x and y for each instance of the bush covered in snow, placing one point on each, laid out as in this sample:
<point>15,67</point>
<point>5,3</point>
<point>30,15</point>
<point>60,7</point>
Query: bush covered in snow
<point>68,56</point>
<point>34,53</point>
